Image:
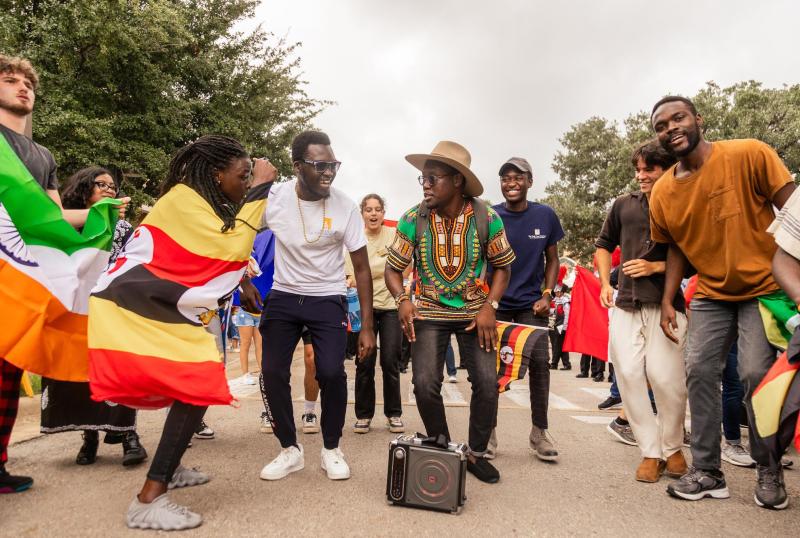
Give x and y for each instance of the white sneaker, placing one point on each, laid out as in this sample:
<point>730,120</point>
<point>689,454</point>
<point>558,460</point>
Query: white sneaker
<point>736,454</point>
<point>288,461</point>
<point>184,477</point>
<point>310,424</point>
<point>249,379</point>
<point>333,463</point>
<point>161,514</point>
<point>452,379</point>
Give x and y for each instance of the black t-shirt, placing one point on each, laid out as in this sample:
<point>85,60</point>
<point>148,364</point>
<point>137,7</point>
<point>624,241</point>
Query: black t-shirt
<point>37,158</point>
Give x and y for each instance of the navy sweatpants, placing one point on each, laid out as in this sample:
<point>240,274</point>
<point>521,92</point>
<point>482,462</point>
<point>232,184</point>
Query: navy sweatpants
<point>282,322</point>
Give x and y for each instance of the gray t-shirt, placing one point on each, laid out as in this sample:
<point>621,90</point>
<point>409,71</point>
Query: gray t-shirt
<point>35,157</point>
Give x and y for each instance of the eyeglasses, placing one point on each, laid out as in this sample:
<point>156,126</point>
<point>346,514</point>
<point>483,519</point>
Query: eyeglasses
<point>103,186</point>
<point>432,179</point>
<point>321,167</point>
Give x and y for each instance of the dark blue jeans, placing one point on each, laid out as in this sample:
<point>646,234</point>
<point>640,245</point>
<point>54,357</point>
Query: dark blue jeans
<point>282,322</point>
<point>732,397</point>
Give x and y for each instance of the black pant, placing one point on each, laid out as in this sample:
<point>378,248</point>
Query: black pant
<point>282,322</point>
<point>182,421</point>
<point>427,358</point>
<point>387,327</point>
<point>405,352</point>
<point>598,367</point>
<point>539,367</point>
<point>557,340</point>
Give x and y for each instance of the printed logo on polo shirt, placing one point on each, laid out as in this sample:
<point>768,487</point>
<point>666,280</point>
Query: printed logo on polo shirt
<point>537,234</point>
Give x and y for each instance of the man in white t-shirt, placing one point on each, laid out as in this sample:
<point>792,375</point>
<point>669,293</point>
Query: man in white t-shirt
<point>313,223</point>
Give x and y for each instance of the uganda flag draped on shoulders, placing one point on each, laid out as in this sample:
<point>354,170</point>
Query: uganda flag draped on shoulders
<point>47,269</point>
<point>514,351</point>
<point>147,344</point>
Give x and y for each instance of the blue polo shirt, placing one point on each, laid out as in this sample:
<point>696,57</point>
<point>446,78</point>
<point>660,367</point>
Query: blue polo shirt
<point>530,232</point>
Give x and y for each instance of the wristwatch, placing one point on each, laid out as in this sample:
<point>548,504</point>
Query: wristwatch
<point>548,291</point>
<point>493,304</point>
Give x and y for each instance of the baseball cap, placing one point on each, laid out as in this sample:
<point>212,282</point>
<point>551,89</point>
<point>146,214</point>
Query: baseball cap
<point>517,162</point>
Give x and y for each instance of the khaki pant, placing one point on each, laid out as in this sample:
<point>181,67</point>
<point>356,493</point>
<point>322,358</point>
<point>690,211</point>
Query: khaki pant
<point>640,353</point>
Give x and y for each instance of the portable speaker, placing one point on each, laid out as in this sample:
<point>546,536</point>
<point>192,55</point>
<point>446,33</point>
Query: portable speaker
<point>424,475</point>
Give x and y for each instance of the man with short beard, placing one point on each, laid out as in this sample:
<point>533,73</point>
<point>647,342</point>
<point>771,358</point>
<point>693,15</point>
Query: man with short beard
<point>18,85</point>
<point>713,209</point>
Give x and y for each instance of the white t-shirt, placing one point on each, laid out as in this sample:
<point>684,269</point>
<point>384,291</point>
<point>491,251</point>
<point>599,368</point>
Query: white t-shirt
<point>315,268</point>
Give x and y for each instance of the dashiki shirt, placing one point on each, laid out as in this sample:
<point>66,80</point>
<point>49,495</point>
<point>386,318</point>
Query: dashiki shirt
<point>450,264</point>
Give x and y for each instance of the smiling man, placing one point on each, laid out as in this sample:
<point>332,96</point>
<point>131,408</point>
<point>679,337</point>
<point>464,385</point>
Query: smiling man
<point>313,223</point>
<point>639,350</point>
<point>452,236</point>
<point>533,230</point>
<point>713,209</point>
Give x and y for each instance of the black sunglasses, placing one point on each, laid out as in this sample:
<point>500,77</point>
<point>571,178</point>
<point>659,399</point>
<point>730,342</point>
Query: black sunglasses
<point>321,167</point>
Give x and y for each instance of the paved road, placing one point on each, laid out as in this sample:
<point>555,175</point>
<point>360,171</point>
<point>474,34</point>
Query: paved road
<point>590,491</point>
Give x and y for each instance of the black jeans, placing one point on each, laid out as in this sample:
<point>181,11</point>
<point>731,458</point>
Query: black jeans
<point>427,358</point>
<point>282,322</point>
<point>557,341</point>
<point>182,421</point>
<point>387,327</point>
<point>539,367</point>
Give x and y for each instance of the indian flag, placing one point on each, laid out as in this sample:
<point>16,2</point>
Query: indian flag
<point>47,269</point>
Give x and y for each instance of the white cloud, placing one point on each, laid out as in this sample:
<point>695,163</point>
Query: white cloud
<point>510,77</point>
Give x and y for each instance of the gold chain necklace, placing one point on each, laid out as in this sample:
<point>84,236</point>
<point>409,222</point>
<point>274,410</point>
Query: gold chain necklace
<point>303,221</point>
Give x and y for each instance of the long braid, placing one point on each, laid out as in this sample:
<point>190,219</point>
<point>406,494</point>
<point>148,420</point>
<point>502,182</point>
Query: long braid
<point>195,164</point>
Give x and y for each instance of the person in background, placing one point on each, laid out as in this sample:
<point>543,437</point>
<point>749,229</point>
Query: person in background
<point>386,326</point>
<point>67,406</point>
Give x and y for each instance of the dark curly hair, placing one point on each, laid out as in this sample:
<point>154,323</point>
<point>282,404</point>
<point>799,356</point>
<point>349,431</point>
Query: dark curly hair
<point>80,186</point>
<point>194,166</point>
<point>307,138</point>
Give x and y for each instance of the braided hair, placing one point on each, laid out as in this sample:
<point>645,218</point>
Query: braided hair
<point>194,166</point>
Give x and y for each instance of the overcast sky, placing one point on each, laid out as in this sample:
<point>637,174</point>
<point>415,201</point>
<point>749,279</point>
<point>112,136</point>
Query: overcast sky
<point>509,77</point>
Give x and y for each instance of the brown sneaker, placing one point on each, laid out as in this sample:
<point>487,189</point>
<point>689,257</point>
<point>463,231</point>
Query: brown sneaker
<point>650,470</point>
<point>676,465</point>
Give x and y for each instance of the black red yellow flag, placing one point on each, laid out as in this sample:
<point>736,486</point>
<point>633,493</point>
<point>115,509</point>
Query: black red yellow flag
<point>514,351</point>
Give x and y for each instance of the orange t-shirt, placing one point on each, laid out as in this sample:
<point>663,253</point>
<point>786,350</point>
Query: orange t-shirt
<point>719,217</point>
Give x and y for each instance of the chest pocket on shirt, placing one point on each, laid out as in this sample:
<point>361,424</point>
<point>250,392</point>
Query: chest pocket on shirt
<point>724,203</point>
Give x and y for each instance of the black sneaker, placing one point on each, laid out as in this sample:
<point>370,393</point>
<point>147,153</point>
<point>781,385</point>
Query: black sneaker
<point>483,470</point>
<point>598,378</point>
<point>610,403</point>
<point>567,367</point>
<point>13,484</point>
<point>697,484</point>
<point>770,489</point>
<point>132,450</point>
<point>554,367</point>
<point>582,375</point>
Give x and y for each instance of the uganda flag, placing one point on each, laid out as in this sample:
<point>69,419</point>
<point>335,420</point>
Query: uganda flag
<point>147,343</point>
<point>47,269</point>
<point>776,403</point>
<point>780,318</point>
<point>514,351</point>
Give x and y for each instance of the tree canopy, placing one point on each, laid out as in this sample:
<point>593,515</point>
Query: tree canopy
<point>124,83</point>
<point>594,165</point>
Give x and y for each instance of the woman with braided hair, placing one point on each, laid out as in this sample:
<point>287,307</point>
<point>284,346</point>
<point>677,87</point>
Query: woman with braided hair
<point>189,252</point>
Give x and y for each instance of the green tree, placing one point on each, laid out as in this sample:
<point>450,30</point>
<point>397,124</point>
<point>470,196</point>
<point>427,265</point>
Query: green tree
<point>594,165</point>
<point>125,83</point>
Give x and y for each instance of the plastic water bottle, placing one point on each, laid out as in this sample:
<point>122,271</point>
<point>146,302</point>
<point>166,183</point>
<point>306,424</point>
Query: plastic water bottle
<point>353,310</point>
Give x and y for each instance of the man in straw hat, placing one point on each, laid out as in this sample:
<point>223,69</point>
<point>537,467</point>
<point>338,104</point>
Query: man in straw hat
<point>453,237</point>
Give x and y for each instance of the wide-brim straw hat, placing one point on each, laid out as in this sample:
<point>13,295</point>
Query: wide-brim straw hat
<point>455,155</point>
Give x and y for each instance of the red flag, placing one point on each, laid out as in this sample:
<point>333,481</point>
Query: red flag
<point>587,326</point>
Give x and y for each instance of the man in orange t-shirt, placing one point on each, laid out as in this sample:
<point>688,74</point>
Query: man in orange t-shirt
<point>713,209</point>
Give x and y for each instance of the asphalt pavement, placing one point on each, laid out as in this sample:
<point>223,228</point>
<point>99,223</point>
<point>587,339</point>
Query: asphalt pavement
<point>590,491</point>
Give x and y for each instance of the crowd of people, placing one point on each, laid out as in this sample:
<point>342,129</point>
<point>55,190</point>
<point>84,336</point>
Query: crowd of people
<point>454,266</point>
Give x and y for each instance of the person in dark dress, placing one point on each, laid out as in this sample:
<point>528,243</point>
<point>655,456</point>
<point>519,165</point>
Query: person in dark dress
<point>66,405</point>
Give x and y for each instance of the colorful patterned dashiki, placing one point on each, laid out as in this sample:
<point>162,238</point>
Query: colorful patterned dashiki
<point>450,264</point>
